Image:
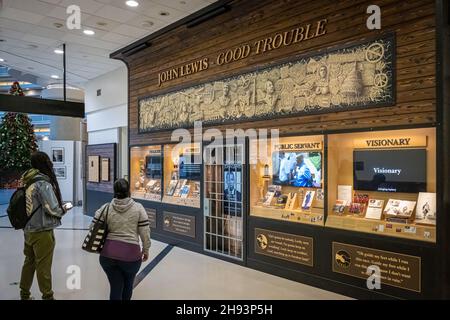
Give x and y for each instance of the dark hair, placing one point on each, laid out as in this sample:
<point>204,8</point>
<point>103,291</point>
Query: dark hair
<point>41,161</point>
<point>121,189</point>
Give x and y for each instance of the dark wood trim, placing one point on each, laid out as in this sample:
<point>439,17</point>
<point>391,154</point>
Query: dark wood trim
<point>41,106</point>
<point>443,139</point>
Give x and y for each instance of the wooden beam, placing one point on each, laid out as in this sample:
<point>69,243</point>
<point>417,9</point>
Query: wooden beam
<point>22,104</point>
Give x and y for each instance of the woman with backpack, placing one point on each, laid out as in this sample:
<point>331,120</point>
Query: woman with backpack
<point>121,255</point>
<point>44,205</point>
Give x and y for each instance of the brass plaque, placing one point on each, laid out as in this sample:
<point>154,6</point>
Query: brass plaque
<point>151,217</point>
<point>397,270</point>
<point>179,223</point>
<point>290,247</point>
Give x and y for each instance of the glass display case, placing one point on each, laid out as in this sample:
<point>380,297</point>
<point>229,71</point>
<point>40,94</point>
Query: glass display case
<point>182,174</point>
<point>286,179</point>
<point>146,172</point>
<point>383,182</point>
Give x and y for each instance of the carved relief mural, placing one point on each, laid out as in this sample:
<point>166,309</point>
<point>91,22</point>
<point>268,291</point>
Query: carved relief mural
<point>350,77</point>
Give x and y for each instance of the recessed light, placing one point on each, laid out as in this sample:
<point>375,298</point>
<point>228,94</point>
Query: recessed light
<point>132,3</point>
<point>30,68</point>
<point>59,51</point>
<point>102,23</point>
<point>88,32</point>
<point>2,60</point>
<point>182,2</point>
<point>58,25</point>
<point>164,13</point>
<point>33,46</point>
<point>2,40</point>
<point>55,77</point>
<point>147,24</point>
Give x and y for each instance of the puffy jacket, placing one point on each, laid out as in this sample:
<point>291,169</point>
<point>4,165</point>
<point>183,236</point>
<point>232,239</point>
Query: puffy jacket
<point>41,193</point>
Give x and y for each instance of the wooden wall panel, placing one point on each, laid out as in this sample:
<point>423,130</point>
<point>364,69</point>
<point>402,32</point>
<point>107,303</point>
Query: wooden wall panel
<point>413,22</point>
<point>104,151</point>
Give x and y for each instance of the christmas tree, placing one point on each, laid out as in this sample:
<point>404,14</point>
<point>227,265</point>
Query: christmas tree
<point>17,142</point>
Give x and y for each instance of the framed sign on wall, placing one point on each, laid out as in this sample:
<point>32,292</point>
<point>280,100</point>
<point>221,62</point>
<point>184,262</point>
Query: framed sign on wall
<point>105,169</point>
<point>94,166</point>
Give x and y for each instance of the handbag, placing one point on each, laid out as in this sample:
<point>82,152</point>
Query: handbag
<point>96,236</point>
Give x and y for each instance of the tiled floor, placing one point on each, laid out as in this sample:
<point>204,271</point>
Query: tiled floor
<point>180,275</point>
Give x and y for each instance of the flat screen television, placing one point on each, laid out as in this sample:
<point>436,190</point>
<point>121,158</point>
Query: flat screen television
<point>297,169</point>
<point>187,167</point>
<point>390,170</point>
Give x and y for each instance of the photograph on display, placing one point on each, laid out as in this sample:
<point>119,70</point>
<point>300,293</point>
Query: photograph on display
<point>297,169</point>
<point>307,200</point>
<point>171,188</point>
<point>58,156</point>
<point>387,170</point>
<point>105,169</point>
<point>94,169</point>
<point>426,208</point>
<point>232,189</point>
<point>60,172</point>
<point>399,208</point>
<point>375,209</point>
<point>339,206</point>
<point>153,165</point>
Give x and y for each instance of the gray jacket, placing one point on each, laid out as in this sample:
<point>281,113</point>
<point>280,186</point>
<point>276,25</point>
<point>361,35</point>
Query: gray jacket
<point>127,222</point>
<point>48,216</point>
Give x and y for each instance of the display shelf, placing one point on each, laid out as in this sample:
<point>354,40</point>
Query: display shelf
<point>188,202</point>
<point>146,196</point>
<point>315,216</point>
<point>382,227</point>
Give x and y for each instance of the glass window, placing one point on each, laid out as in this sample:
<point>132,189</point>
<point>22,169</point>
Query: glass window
<point>182,174</point>
<point>146,172</point>
<point>287,180</point>
<point>383,182</point>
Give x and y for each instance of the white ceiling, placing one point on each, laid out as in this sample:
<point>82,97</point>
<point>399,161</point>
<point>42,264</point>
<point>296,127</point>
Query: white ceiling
<point>27,26</point>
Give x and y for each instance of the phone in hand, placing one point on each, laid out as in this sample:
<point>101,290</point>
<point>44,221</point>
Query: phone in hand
<point>67,206</point>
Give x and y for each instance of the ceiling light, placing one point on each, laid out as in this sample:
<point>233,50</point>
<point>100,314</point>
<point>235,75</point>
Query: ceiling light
<point>102,23</point>
<point>182,2</point>
<point>89,32</point>
<point>58,25</point>
<point>55,76</point>
<point>164,13</point>
<point>2,60</point>
<point>132,3</point>
<point>147,24</point>
<point>59,51</point>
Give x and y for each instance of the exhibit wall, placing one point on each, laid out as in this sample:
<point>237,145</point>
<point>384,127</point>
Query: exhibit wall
<point>100,173</point>
<point>249,22</point>
<point>317,73</point>
<point>63,155</point>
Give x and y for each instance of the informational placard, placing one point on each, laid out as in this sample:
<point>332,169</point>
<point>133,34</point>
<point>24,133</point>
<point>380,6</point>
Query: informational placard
<point>105,169</point>
<point>285,246</point>
<point>179,223</point>
<point>151,217</point>
<point>397,270</point>
<point>94,171</point>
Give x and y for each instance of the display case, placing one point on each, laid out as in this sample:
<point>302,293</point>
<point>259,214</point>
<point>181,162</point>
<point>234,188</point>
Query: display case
<point>286,176</point>
<point>146,172</point>
<point>383,182</point>
<point>182,174</point>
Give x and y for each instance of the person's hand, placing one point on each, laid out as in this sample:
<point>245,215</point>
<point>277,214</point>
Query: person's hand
<point>144,257</point>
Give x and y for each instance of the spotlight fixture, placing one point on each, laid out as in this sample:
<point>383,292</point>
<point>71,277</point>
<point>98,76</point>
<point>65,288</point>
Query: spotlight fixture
<point>59,51</point>
<point>88,32</point>
<point>132,3</point>
<point>164,13</point>
<point>54,76</point>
